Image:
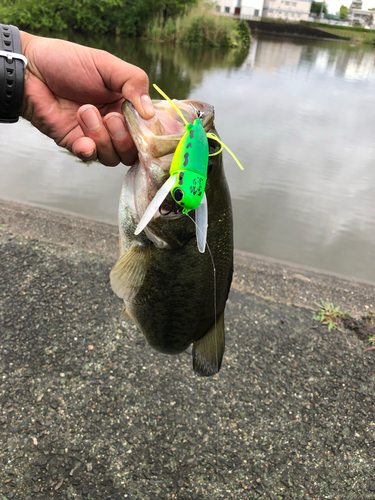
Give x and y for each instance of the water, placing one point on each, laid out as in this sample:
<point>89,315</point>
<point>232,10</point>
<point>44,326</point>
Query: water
<point>298,114</point>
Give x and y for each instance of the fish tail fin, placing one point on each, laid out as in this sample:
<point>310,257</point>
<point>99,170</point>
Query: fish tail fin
<point>129,272</point>
<point>208,351</point>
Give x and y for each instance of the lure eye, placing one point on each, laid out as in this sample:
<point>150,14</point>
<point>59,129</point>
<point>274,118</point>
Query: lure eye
<point>178,194</point>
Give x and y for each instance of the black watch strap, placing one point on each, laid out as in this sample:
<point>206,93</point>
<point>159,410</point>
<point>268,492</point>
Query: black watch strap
<point>12,68</point>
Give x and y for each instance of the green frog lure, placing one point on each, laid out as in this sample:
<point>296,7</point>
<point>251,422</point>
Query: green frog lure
<point>188,176</point>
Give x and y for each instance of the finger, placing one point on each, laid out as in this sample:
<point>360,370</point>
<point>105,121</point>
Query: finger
<point>121,138</point>
<point>85,149</point>
<point>127,79</point>
<point>132,90</point>
<point>92,125</point>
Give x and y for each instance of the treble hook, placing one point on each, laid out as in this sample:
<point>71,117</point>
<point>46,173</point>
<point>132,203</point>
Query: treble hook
<point>198,111</point>
<point>175,207</point>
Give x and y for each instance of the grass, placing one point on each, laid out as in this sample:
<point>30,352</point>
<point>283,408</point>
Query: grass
<point>370,317</point>
<point>328,315</point>
<point>200,26</point>
<point>370,39</point>
<point>364,35</point>
<point>344,33</point>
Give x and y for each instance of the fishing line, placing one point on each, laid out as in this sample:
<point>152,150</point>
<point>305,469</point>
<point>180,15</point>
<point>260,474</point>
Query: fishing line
<point>216,346</point>
<point>178,167</point>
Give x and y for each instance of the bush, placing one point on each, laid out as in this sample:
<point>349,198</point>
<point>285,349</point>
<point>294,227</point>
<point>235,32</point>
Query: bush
<point>369,39</point>
<point>244,33</point>
<point>127,17</point>
<point>200,27</point>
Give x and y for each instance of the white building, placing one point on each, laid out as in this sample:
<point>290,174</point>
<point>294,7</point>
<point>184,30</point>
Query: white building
<point>364,17</point>
<point>244,9</point>
<point>289,10</point>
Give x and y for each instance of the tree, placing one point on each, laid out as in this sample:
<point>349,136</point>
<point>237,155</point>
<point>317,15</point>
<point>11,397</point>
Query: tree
<point>316,7</point>
<point>369,20</point>
<point>126,17</point>
<point>172,8</point>
<point>343,12</point>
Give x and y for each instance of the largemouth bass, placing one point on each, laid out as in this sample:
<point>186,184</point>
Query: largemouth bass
<point>175,294</point>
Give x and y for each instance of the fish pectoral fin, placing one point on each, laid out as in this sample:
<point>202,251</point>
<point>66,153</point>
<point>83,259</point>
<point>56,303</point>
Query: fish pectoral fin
<point>208,351</point>
<point>126,316</point>
<point>155,203</point>
<point>201,219</point>
<point>129,272</point>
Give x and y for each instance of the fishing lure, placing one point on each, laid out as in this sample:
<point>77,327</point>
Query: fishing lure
<point>188,176</point>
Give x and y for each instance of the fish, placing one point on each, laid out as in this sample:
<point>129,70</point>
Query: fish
<point>175,294</point>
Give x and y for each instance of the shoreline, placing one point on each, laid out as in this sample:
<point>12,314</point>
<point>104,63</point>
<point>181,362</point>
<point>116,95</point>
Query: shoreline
<point>267,277</point>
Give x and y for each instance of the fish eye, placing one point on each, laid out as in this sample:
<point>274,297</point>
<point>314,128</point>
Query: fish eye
<point>178,194</point>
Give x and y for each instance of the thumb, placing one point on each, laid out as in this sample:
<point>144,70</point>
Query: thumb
<point>126,79</point>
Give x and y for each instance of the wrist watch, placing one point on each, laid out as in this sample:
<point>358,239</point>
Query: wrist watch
<point>12,69</point>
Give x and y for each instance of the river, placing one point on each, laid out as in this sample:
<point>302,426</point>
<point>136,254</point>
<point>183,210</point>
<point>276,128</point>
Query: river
<point>300,116</point>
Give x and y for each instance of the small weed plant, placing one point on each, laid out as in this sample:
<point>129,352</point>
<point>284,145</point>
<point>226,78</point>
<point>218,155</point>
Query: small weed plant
<point>370,317</point>
<point>328,315</point>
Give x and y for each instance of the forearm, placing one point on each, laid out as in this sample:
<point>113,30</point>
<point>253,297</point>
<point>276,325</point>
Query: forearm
<point>25,40</point>
<point>73,94</point>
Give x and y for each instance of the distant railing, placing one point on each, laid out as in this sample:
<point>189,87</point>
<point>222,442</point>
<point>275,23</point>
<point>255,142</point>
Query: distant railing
<point>247,17</point>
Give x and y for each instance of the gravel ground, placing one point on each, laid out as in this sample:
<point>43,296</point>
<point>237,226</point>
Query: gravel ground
<point>89,411</point>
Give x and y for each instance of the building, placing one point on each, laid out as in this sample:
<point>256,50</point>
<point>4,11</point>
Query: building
<point>288,10</point>
<point>365,18</point>
<point>245,9</point>
<point>356,4</point>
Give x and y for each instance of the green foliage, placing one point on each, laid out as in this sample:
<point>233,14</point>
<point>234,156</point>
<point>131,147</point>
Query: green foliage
<point>28,14</point>
<point>369,316</point>
<point>127,17</point>
<point>193,30</point>
<point>327,315</point>
<point>369,39</point>
<point>343,12</point>
<point>172,8</point>
<point>158,29</point>
<point>244,33</point>
<point>200,27</point>
<point>350,31</point>
<point>369,19</point>
<point>316,7</point>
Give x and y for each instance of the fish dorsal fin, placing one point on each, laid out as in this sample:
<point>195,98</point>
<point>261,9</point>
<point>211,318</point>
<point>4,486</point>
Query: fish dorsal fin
<point>208,351</point>
<point>129,272</point>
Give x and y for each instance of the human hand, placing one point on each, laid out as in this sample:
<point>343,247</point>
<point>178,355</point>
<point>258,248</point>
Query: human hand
<point>73,94</point>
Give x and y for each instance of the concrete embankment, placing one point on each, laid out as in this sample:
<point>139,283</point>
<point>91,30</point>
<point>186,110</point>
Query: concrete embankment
<point>298,30</point>
<point>88,410</point>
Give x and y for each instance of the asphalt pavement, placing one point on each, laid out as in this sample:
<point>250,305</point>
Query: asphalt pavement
<point>89,411</point>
